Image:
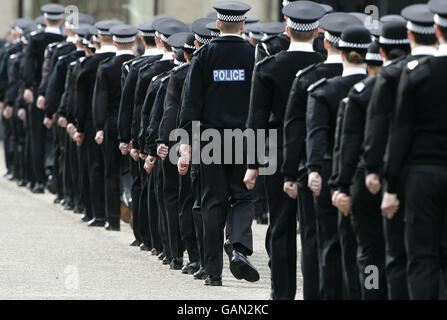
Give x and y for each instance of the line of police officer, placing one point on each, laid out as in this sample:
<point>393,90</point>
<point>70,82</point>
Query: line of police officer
<point>345,123</point>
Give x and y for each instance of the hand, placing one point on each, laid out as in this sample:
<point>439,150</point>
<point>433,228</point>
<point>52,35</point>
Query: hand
<point>79,138</point>
<point>8,112</point>
<point>185,158</point>
<point>62,122</point>
<point>40,102</point>
<point>135,154</point>
<point>47,123</point>
<point>291,188</point>
<point>334,198</point>
<point>390,204</point>
<point>343,203</point>
<point>21,114</point>
<point>372,182</point>
<point>71,130</point>
<point>28,96</point>
<point>99,138</point>
<point>149,164</point>
<point>250,178</point>
<point>315,182</point>
<point>124,147</point>
<point>162,151</point>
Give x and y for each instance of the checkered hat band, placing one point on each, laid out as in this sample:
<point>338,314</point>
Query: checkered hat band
<point>161,36</point>
<point>104,32</point>
<point>230,18</point>
<point>331,38</point>
<point>202,40</point>
<point>302,26</point>
<point>148,34</point>
<point>373,57</point>
<point>215,34</point>
<point>124,40</point>
<point>179,63</point>
<point>344,44</point>
<point>417,28</point>
<point>95,39</point>
<point>188,46</point>
<point>440,21</point>
<point>53,16</point>
<point>383,40</point>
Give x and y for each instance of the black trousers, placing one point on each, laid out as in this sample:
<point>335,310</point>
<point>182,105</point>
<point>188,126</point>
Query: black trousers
<point>196,186</point>
<point>331,280</point>
<point>112,159</point>
<point>74,171</point>
<point>426,230</point>
<point>57,169</point>
<point>95,162</point>
<point>84,181</point>
<point>348,243</point>
<point>309,242</point>
<point>66,163</point>
<point>19,158</point>
<point>8,144</point>
<point>136,189</point>
<point>162,215</point>
<point>222,187</point>
<point>152,213</point>
<point>260,199</point>
<point>367,224</point>
<point>186,219</point>
<point>28,152</point>
<point>38,134</point>
<point>171,197</point>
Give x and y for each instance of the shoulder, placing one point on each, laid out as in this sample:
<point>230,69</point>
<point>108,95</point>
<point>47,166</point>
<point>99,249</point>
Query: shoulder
<point>302,73</point>
<point>316,86</point>
<point>264,62</point>
<point>179,68</point>
<point>418,69</point>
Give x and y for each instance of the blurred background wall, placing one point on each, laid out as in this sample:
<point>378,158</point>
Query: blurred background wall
<point>137,11</point>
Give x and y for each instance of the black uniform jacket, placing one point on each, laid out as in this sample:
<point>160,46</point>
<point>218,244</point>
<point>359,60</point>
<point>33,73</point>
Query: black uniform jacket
<point>322,108</point>
<point>295,116</point>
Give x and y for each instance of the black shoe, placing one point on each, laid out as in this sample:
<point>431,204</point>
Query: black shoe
<point>69,206</point>
<point>78,209</point>
<point>213,281</point>
<point>111,227</point>
<point>176,264</point>
<point>241,268</point>
<point>191,268</point>
<point>161,256</point>
<point>39,188</point>
<point>21,183</point>
<point>135,243</point>
<point>144,247</point>
<point>85,218</point>
<point>57,200</point>
<point>10,177</point>
<point>95,223</point>
<point>200,274</point>
<point>166,261</point>
<point>63,202</point>
<point>228,248</point>
<point>30,186</point>
<point>155,252</point>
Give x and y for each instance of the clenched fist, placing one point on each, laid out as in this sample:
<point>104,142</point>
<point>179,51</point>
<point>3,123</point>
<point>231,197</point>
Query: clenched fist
<point>124,148</point>
<point>40,102</point>
<point>79,138</point>
<point>250,178</point>
<point>185,158</point>
<point>21,114</point>
<point>135,154</point>
<point>47,123</point>
<point>28,96</point>
<point>343,203</point>
<point>62,122</point>
<point>149,164</point>
<point>390,204</point>
<point>291,188</point>
<point>8,112</point>
<point>99,138</point>
<point>372,182</point>
<point>162,151</point>
<point>315,182</point>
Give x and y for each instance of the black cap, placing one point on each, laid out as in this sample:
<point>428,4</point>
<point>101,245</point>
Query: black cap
<point>177,40</point>
<point>373,56</point>
<point>359,15</point>
<point>394,33</point>
<point>105,25</point>
<point>251,19</point>
<point>212,26</point>
<point>179,57</point>
<point>273,28</point>
<point>123,33</point>
<point>419,19</point>
<point>392,18</point>
<point>53,11</point>
<point>255,31</point>
<point>189,46</point>
<point>40,21</point>
<point>70,21</point>
<point>231,11</point>
<point>81,30</point>
<point>439,8</point>
<point>334,23</point>
<point>303,15</point>
<point>356,38</point>
<point>24,26</point>
<point>148,28</point>
<point>166,27</point>
<point>202,33</point>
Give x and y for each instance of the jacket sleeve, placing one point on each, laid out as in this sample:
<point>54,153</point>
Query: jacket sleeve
<point>30,63</point>
<point>140,95</point>
<point>126,106</point>
<point>145,117</point>
<point>81,103</point>
<point>55,88</point>
<point>100,99</point>
<point>171,107</point>
<point>154,124</point>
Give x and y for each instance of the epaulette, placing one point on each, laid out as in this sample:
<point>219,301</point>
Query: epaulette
<point>180,67</point>
<point>32,34</point>
<point>81,59</point>
<point>414,64</point>
<point>307,69</point>
<point>72,64</point>
<point>52,45</point>
<point>62,44</point>
<point>359,87</point>
<point>263,61</point>
<point>315,85</point>
<point>13,56</point>
<point>165,78</point>
<point>422,68</point>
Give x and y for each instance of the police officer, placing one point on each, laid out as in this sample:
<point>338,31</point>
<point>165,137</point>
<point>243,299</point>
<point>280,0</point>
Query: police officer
<point>106,99</point>
<point>322,108</point>
<point>422,41</point>
<point>419,143</point>
<point>86,132</point>
<point>139,191</point>
<point>34,55</point>
<point>294,166</point>
<point>273,78</point>
<point>222,185</point>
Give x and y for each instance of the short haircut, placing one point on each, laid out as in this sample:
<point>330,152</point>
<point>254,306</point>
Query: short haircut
<point>301,35</point>
<point>230,27</point>
<point>395,51</point>
<point>443,33</point>
<point>425,39</point>
<point>150,41</point>
<point>167,46</point>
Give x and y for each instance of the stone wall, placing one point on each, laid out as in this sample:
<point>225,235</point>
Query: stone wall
<point>8,14</point>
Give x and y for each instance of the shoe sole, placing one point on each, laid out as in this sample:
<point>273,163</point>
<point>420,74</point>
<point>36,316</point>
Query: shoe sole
<point>242,270</point>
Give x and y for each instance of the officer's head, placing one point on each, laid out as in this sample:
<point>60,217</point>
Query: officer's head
<point>53,14</point>
<point>421,31</point>
<point>147,34</point>
<point>439,9</point>
<point>354,44</point>
<point>230,27</point>
<point>231,16</point>
<point>124,36</point>
<point>393,40</point>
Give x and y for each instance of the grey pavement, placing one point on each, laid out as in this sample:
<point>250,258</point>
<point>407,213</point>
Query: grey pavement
<point>47,253</point>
